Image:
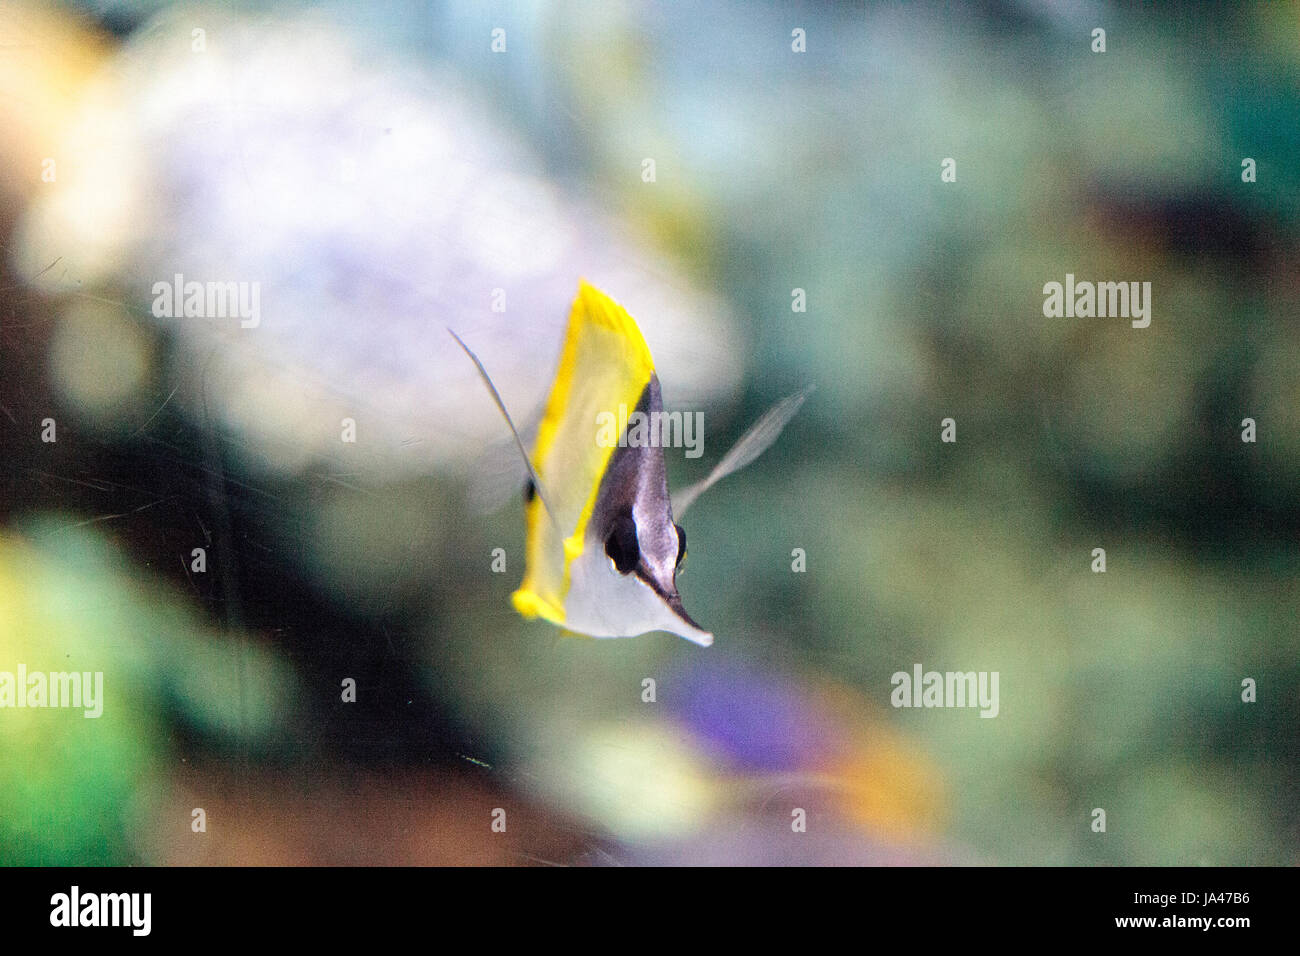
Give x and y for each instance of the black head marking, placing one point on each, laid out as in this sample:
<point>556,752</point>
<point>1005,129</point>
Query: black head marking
<point>633,517</point>
<point>621,543</point>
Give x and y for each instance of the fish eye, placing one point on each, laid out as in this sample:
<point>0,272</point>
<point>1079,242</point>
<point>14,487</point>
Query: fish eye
<point>621,544</point>
<point>681,545</point>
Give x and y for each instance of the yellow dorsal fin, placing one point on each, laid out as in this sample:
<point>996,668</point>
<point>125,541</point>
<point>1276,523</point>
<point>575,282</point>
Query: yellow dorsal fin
<point>605,364</point>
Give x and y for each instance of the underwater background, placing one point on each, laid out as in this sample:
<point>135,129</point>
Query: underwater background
<point>308,637</point>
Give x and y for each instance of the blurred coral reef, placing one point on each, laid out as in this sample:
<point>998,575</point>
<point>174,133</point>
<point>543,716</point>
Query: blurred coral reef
<point>382,175</point>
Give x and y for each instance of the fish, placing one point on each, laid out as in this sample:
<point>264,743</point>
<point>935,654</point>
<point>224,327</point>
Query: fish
<point>602,546</point>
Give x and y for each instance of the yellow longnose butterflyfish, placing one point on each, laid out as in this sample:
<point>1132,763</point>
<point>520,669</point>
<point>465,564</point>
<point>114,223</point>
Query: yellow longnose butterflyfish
<point>602,546</point>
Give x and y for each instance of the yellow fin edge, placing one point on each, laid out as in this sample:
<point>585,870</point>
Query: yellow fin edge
<point>595,307</point>
<point>532,605</point>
